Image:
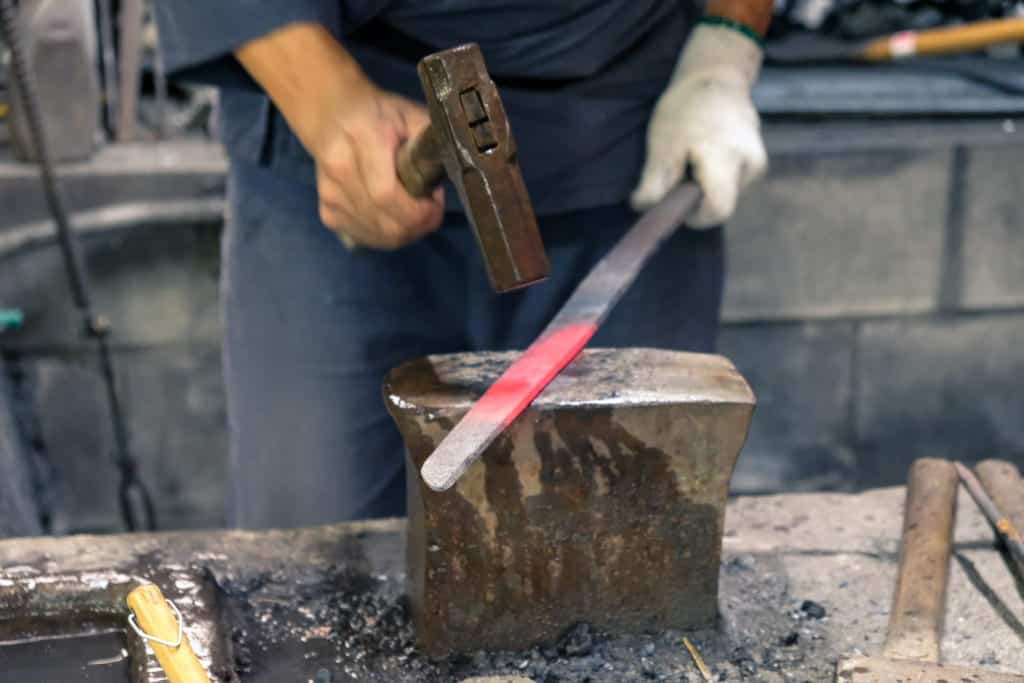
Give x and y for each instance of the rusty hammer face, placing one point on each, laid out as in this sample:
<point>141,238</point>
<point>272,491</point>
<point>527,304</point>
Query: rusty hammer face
<point>470,138</point>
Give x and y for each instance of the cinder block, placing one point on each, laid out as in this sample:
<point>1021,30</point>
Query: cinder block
<point>939,388</point>
<point>859,233</point>
<point>117,173</point>
<point>178,421</point>
<point>74,423</point>
<point>174,406</point>
<point>156,284</point>
<point>802,376</point>
<point>993,230</point>
<point>19,513</point>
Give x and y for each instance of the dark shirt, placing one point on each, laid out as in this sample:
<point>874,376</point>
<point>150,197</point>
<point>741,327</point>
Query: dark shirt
<point>578,77</point>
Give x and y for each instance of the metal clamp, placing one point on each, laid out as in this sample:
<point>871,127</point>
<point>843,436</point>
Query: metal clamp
<point>145,636</point>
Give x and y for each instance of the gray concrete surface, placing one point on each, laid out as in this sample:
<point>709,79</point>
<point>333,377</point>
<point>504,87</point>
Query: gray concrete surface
<point>950,387</point>
<point>804,377</point>
<point>832,235</point>
<point>842,551</point>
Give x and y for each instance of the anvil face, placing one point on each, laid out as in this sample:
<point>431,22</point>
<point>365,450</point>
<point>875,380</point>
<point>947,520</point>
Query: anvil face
<point>604,502</point>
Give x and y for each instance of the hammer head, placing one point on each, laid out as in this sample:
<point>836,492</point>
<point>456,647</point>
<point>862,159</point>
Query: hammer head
<point>479,154</point>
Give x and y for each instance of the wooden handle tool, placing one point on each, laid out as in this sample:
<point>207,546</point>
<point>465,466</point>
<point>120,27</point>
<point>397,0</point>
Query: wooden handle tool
<point>802,48</point>
<point>158,622</point>
<point>911,650</point>
<point>945,40</point>
<point>915,622</point>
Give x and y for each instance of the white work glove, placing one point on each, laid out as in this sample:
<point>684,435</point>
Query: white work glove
<point>706,120</point>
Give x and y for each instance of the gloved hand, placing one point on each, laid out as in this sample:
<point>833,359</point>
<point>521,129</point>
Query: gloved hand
<point>705,120</point>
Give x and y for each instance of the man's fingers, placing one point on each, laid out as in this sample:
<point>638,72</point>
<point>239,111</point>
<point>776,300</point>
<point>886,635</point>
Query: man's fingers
<point>385,193</point>
<point>334,218</point>
<point>359,190</point>
<point>431,213</point>
<point>338,163</point>
<point>331,192</point>
<point>415,117</point>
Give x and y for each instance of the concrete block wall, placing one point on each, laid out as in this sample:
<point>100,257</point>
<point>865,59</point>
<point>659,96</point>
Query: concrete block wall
<point>128,172</point>
<point>158,284</point>
<point>20,513</point>
<point>875,301</point>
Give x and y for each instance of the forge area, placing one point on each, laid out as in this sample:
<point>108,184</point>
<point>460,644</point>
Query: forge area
<point>804,579</point>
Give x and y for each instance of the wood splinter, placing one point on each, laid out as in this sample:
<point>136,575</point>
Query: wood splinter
<point>698,660</point>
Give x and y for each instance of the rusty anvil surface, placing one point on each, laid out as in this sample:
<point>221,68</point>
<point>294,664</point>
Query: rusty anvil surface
<point>603,502</point>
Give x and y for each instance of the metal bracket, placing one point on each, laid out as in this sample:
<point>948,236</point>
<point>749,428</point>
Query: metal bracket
<point>10,317</point>
<point>145,636</point>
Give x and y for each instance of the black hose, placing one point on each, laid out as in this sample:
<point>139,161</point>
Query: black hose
<point>136,503</point>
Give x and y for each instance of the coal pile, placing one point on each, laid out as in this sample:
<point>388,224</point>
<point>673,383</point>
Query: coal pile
<point>334,625</point>
<point>764,635</point>
<point>337,625</point>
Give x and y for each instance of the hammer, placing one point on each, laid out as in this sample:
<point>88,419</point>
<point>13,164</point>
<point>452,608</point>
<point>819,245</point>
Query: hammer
<point>469,138</point>
<point>911,650</point>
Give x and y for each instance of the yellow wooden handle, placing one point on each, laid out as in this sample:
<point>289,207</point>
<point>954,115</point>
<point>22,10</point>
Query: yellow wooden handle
<point>945,40</point>
<point>155,618</point>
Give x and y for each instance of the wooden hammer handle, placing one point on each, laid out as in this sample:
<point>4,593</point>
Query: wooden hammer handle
<point>945,40</point>
<point>419,164</point>
<point>915,622</point>
<point>154,617</point>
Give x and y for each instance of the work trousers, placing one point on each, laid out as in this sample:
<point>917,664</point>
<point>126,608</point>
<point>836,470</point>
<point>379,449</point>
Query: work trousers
<point>311,329</point>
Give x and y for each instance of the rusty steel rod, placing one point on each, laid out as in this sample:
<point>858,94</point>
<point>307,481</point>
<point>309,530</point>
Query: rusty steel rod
<point>1003,526</point>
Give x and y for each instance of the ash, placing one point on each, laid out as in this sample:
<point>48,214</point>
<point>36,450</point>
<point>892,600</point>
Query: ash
<point>333,625</point>
<point>764,635</point>
<point>337,625</point>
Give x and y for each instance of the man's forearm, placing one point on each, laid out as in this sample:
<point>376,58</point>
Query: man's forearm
<point>755,15</point>
<point>300,66</point>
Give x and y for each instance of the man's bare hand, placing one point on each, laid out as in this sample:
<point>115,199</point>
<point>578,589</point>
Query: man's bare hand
<point>355,150</point>
<point>352,129</point>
